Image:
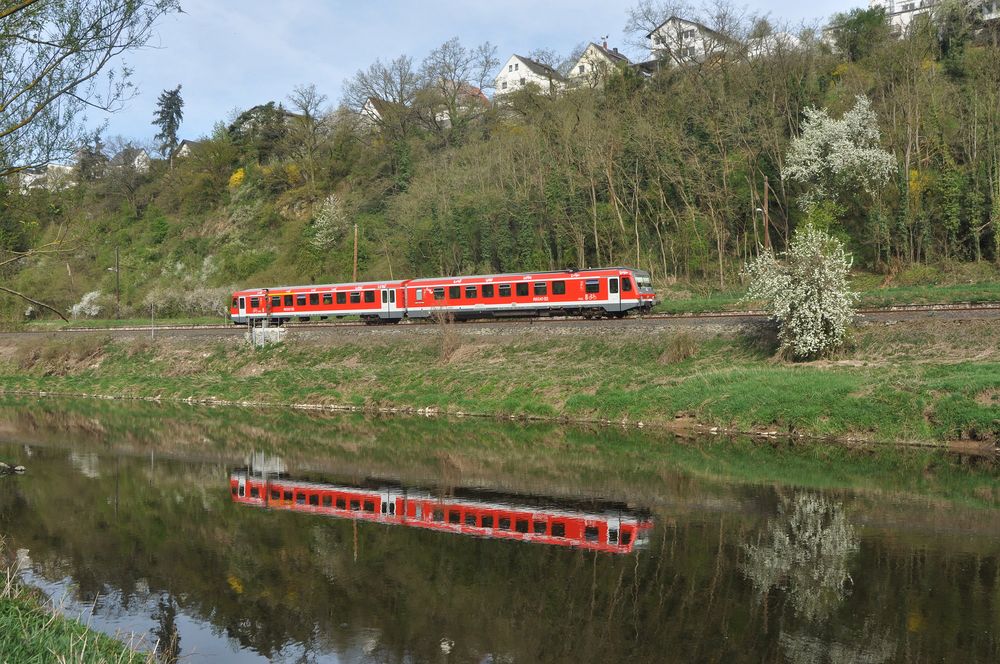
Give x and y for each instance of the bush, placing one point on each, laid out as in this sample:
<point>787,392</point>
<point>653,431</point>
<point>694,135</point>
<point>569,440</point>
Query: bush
<point>807,294</point>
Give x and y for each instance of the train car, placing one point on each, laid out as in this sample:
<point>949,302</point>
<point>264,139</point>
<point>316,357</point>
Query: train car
<point>595,292</point>
<point>372,301</point>
<point>613,291</point>
<point>611,529</point>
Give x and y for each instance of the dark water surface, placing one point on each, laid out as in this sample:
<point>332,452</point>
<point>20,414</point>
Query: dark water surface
<point>233,535</point>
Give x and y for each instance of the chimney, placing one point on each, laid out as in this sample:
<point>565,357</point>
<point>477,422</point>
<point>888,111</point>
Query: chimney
<point>605,45</point>
<point>615,49</point>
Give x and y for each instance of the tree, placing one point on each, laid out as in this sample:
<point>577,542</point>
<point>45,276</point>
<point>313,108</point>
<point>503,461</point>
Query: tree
<point>307,129</point>
<point>859,32</point>
<point>393,87</point>
<point>454,77</point>
<point>56,57</point>
<point>807,294</point>
<point>168,116</point>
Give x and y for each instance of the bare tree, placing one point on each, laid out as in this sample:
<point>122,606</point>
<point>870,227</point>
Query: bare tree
<point>308,126</point>
<point>453,78</point>
<point>385,92</point>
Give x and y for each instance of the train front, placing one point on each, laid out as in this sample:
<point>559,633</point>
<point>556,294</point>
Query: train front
<point>647,297</point>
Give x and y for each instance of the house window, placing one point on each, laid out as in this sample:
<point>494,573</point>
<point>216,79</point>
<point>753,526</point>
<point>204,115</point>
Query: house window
<point>503,86</point>
<point>327,298</point>
<point>522,81</point>
<point>592,286</point>
<point>341,298</point>
<point>355,297</point>
<point>541,288</point>
<point>504,290</point>
<point>687,34</point>
<point>558,287</point>
<point>516,66</point>
<point>487,290</point>
<point>522,289</point>
<point>288,300</point>
<point>582,68</point>
<point>369,296</point>
<point>300,300</point>
<point>470,292</point>
<point>510,67</point>
<point>454,292</point>
<point>314,298</point>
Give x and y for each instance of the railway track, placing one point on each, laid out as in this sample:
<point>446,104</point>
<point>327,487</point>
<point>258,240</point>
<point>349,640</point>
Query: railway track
<point>956,308</point>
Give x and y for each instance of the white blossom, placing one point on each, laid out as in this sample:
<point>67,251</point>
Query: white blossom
<point>834,157</point>
<point>806,293</point>
<point>331,223</point>
<point>87,306</point>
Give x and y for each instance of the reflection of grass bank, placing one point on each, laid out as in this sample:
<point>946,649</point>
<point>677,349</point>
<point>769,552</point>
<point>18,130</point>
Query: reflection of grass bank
<point>919,382</point>
<point>643,467</point>
<point>31,633</point>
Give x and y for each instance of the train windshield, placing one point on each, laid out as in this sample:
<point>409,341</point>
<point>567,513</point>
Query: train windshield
<point>643,281</point>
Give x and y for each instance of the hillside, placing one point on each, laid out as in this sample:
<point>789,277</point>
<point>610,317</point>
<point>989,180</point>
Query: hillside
<point>664,171</point>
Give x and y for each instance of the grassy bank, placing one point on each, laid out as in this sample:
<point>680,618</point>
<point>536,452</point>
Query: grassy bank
<point>31,633</point>
<point>922,382</point>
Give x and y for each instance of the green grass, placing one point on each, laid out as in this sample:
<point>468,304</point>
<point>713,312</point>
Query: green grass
<point>31,633</point>
<point>929,382</point>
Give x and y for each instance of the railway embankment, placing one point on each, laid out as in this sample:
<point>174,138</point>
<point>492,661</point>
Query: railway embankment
<point>921,382</point>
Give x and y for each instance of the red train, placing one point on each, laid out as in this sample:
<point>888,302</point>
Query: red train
<point>611,530</point>
<point>614,291</point>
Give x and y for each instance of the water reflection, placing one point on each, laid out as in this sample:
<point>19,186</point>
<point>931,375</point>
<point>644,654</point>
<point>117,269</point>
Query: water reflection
<point>597,526</point>
<point>805,551</point>
<point>864,649</point>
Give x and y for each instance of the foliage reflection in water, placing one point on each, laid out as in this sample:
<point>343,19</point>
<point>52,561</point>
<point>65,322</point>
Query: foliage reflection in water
<point>140,534</point>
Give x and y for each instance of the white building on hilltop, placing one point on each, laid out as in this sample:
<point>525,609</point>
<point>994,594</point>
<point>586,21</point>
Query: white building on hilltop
<point>595,63</point>
<point>680,41</point>
<point>520,71</point>
<point>900,13</point>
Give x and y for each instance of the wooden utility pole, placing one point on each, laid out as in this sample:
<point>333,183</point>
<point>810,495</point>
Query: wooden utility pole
<point>767,217</point>
<point>118,286</point>
<point>355,252</point>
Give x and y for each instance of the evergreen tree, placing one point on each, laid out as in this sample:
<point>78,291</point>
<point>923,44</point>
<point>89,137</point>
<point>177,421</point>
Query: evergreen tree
<point>168,116</point>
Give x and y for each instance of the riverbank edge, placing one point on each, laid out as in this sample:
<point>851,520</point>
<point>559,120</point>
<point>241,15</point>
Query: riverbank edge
<point>679,426</point>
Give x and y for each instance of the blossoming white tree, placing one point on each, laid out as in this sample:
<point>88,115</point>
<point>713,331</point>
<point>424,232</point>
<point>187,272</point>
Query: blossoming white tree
<point>834,158</point>
<point>807,292</point>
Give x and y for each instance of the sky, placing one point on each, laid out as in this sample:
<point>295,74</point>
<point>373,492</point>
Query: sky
<point>230,55</point>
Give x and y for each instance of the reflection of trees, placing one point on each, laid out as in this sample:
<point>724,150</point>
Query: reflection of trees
<point>168,638</point>
<point>869,649</point>
<point>806,552</point>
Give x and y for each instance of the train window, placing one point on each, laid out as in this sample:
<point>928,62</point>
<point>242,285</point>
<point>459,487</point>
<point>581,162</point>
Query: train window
<point>612,285</point>
<point>592,286</point>
<point>470,292</point>
<point>276,301</point>
<point>242,490</point>
<point>255,302</point>
<point>384,508</point>
<point>470,519</point>
<point>438,515</point>
<point>454,292</point>
<point>522,289</point>
<point>327,298</point>
<point>235,303</point>
<point>327,501</point>
<point>521,525</point>
<point>355,297</point>
<point>313,499</point>
<point>392,296</point>
<point>288,300</point>
<point>369,506</point>
<point>341,504</point>
<point>504,523</point>
<point>288,496</point>
<point>275,494</point>
<point>626,284</point>
<point>300,300</point>
<point>541,288</point>
<point>487,522</point>
<point>234,490</point>
<point>454,516</point>
<point>314,298</point>
<point>355,505</point>
<point>254,492</point>
<point>487,290</point>
<point>369,296</point>
<point>300,498</point>
<point>558,287</point>
<point>626,538</point>
<point>419,294</point>
<point>504,290</point>
<point>539,528</point>
<point>341,298</point>
<point>392,508</point>
<point>590,533</point>
<point>558,529</point>
<point>612,535</point>
<point>438,293</point>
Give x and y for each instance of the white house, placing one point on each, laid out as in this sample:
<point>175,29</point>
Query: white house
<point>681,41</point>
<point>53,177</point>
<point>185,148</point>
<point>595,63</point>
<point>773,44</point>
<point>135,158</point>
<point>520,71</point>
<point>900,13</point>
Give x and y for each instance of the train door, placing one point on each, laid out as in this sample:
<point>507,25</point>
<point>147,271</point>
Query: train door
<point>243,480</point>
<point>614,296</point>
<point>389,307</point>
<point>243,307</point>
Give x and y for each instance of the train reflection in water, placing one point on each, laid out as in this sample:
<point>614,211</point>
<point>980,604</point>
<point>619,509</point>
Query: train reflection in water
<point>595,526</point>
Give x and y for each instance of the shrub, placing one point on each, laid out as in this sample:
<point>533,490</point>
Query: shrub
<point>679,348</point>
<point>807,293</point>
